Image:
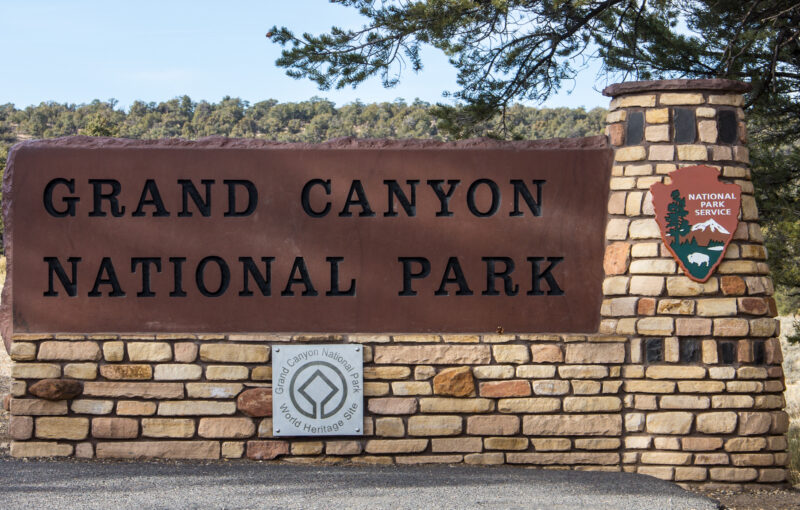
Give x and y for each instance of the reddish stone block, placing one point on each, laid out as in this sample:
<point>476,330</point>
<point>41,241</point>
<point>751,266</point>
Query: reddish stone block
<point>255,402</point>
<point>454,382</point>
<point>616,258</point>
<point>498,389</point>
<point>753,306</point>
<point>547,353</point>
<point>266,450</point>
<point>646,306</point>
<point>732,285</point>
<point>392,406</point>
<point>56,389</point>
<point>616,134</point>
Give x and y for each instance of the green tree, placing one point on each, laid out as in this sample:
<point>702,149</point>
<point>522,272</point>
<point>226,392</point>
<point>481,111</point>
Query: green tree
<point>677,224</point>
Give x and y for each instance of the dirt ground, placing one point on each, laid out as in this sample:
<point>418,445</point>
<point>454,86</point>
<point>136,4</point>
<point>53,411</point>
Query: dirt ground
<point>731,500</point>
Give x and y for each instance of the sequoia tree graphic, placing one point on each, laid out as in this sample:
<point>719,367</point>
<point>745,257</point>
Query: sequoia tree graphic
<point>677,224</point>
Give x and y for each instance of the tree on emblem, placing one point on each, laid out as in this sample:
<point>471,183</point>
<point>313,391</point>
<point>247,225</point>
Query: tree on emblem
<point>677,225</point>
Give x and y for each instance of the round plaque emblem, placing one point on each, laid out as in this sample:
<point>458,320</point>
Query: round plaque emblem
<point>318,390</point>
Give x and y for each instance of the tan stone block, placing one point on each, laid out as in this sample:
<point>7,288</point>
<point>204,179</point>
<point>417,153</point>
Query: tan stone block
<point>716,307</point>
<point>683,286</point>
<point>726,99</point>
<point>572,425</point>
<point>23,351</point>
<point>195,408</point>
<point>135,408</point>
<point>647,285</point>
<point>754,423</point>
<point>389,427</point>
<point>690,474</point>
<point>772,475</point>
<point>424,372</point>
<point>675,372</point>
<point>233,449</point>
<point>115,428</point>
<point>649,386</point>
<point>657,115</point>
<point>701,386</point>
<point>167,427</point>
<point>622,183</point>
<point>589,387</point>
<point>177,372</point>
<point>392,373</point>
<point>493,425</point>
<point>720,152</point>
<point>582,372</point>
<point>681,98</point>
<point>114,351</point>
<point>692,152</point>
<point>37,407</point>
<point>707,131</point>
<point>159,449</point>
<point>85,371</point>
<point>226,372</point>
<point>616,116</point>
<point>455,405</point>
<point>433,354</point>
<point>637,170</point>
<point>411,388</point>
<point>616,230</point>
<point>633,153</point>
<point>716,423</point>
<point>396,445</point>
<point>69,351</point>
<point>551,444</point>
<point>392,406</point>
<point>684,402</point>
<point>693,327</point>
<point>186,352</point>
<point>657,133</point>
<point>670,458</point>
<point>591,404</point>
<point>86,406</point>
<point>496,372</point>
<point>728,474</point>
<point>744,387</point>
<point>763,327</point>
<point>149,351</point>
<point>618,306</point>
<point>566,458</point>
<point>647,182</point>
<point>658,326</point>
<point>234,428</point>
<point>644,100</point>
<point>133,390</point>
<point>234,353</point>
<point>644,250</point>
<point>753,459</point>
<point>506,443</point>
<point>546,353</point>
<point>770,402</point>
<point>738,267</point>
<point>126,372</point>
<point>676,307</point>
<point>581,353</point>
<point>597,443</point>
<point>40,449</point>
<point>528,405</point>
<point>516,354</point>
<point>616,202</point>
<point>376,389</point>
<point>661,153</point>
<point>484,459</point>
<point>441,425</point>
<point>745,444</point>
<point>551,387</point>
<point>213,390</point>
<point>652,266</point>
<point>731,327</point>
<point>701,444</point>
<point>340,448</point>
<point>674,422</point>
<point>20,427</point>
<point>705,112</point>
<point>457,445</point>
<point>75,429</point>
<point>35,371</point>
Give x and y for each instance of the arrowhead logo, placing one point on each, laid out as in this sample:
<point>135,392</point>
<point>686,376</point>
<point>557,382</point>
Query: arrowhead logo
<point>697,215</point>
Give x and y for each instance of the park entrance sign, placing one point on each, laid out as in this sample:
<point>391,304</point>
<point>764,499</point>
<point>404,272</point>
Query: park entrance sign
<point>133,237</point>
<point>601,303</point>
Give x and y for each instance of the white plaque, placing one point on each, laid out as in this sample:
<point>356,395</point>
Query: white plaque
<point>317,390</point>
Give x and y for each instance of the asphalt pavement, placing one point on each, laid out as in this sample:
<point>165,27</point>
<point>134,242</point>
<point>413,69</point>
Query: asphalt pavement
<point>78,485</point>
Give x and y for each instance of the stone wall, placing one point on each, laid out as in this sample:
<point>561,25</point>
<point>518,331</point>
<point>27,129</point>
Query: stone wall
<point>682,381</point>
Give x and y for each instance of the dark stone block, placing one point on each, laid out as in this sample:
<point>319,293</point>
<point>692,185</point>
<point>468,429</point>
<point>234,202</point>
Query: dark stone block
<point>685,125</point>
<point>727,126</point>
<point>727,352</point>
<point>759,353</point>
<point>634,131</point>
<point>690,350</point>
<point>654,350</point>
<point>56,389</point>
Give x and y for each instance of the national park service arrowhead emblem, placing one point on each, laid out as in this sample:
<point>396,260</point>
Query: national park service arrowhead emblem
<point>697,215</point>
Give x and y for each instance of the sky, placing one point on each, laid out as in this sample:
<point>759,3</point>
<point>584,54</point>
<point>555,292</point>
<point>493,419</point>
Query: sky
<point>79,50</point>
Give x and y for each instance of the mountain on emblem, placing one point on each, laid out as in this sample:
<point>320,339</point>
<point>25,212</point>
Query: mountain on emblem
<point>713,225</point>
<point>697,215</point>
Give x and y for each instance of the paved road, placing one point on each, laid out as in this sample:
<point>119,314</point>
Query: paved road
<point>79,485</point>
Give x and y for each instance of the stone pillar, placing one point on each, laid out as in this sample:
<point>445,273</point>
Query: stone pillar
<point>704,384</point>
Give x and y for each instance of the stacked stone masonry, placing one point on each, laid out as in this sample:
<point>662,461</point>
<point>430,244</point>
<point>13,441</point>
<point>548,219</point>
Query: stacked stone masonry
<point>683,380</point>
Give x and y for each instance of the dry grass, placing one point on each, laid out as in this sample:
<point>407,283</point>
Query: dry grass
<point>791,369</point>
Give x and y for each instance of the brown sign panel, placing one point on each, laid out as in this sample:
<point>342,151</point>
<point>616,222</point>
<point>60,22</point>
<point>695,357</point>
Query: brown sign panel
<point>697,215</point>
<point>237,236</point>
